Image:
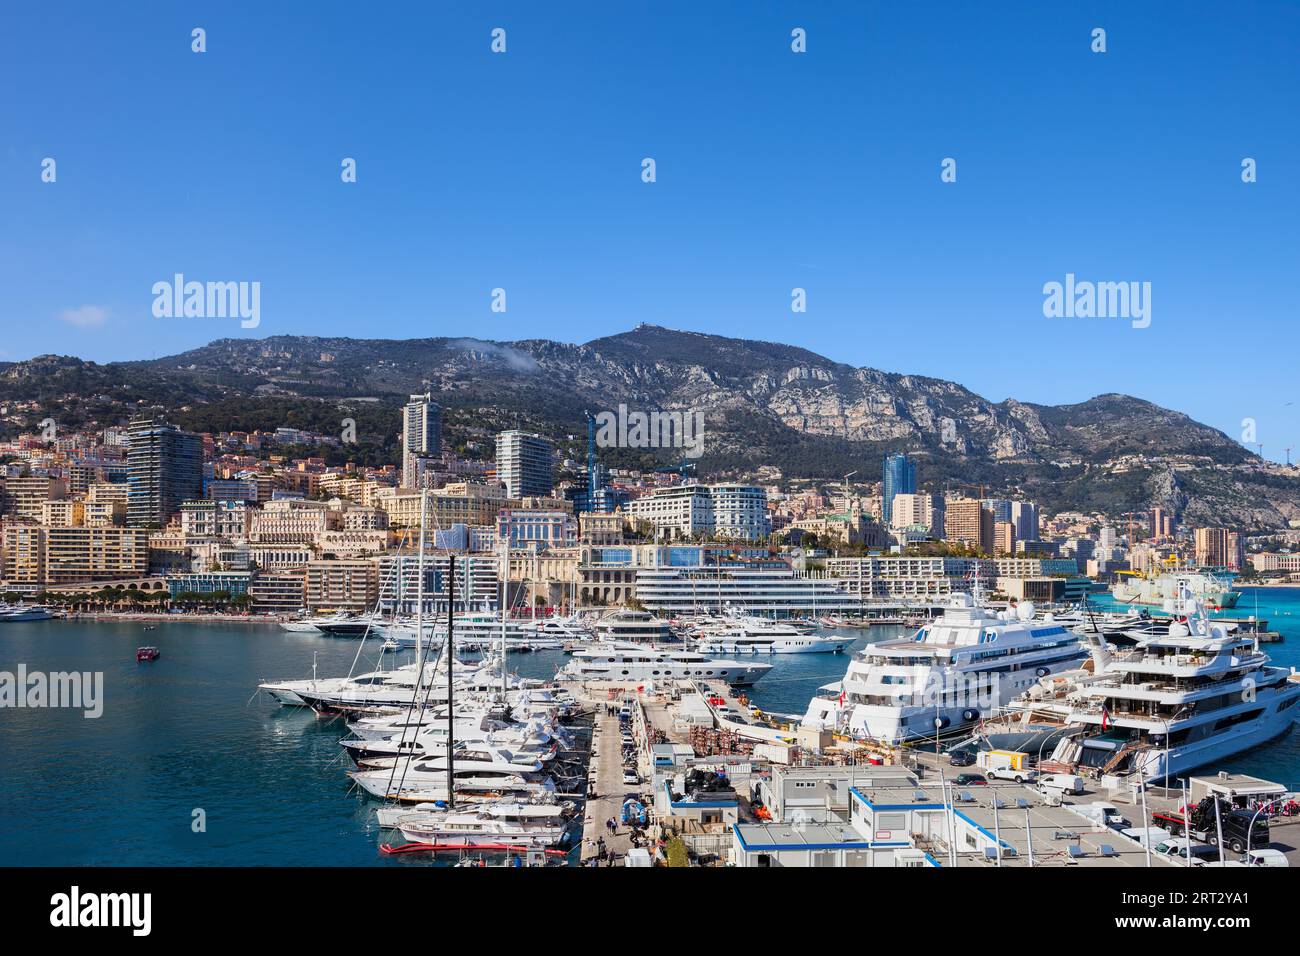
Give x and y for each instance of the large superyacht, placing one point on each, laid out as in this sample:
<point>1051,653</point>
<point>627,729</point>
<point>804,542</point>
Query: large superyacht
<point>1190,697</point>
<point>955,671</point>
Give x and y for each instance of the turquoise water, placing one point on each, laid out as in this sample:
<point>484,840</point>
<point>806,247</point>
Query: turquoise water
<point>187,733</point>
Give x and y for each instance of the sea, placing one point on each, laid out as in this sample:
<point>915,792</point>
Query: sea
<point>189,765</point>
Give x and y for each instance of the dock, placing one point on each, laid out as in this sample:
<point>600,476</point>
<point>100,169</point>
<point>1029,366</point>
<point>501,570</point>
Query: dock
<point>605,780</point>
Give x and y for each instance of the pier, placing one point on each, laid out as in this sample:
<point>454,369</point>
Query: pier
<point>605,780</point>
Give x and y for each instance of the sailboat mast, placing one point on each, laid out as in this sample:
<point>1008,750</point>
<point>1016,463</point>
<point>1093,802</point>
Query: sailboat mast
<point>451,658</point>
<point>419,594</point>
<point>505,583</point>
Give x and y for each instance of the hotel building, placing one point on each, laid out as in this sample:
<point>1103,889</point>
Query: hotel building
<point>728,511</point>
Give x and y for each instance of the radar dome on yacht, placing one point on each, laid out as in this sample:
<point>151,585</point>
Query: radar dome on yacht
<point>1218,631</point>
<point>1178,629</point>
<point>1025,611</point>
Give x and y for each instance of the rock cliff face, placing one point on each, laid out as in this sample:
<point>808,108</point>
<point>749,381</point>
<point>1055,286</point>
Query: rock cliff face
<point>764,404</point>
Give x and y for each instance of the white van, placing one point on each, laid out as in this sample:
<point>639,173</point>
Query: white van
<point>1061,783</point>
<point>1102,814</point>
<point>1148,836</point>
<point>1267,858</point>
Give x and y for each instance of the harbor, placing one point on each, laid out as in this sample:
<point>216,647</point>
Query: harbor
<point>702,760</point>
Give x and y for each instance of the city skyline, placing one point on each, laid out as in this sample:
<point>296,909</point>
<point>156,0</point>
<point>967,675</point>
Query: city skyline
<point>529,179</point>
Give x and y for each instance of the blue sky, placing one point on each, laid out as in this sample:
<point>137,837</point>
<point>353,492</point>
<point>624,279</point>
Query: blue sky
<point>775,170</point>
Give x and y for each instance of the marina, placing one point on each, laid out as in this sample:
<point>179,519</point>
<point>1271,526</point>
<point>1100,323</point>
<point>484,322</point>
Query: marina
<point>274,783</point>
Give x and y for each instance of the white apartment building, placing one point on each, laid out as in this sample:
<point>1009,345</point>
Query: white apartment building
<point>525,463</point>
<point>740,511</point>
<point>898,577</point>
<point>292,521</point>
<point>732,511</point>
<point>895,578</point>
<point>918,510</point>
<point>215,519</point>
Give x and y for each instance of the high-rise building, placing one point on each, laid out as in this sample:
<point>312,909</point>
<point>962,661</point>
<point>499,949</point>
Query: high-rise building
<point>1219,548</point>
<point>166,469</point>
<point>1000,507</point>
<point>1024,515</point>
<point>899,479</point>
<point>25,497</point>
<point>525,464</point>
<point>1162,524</point>
<point>969,522</point>
<point>1004,537</point>
<point>421,436</point>
<point>918,511</point>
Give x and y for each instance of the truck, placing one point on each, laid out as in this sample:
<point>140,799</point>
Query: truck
<point>1202,824</point>
<point>1002,760</point>
<point>1012,773</point>
<point>1101,814</point>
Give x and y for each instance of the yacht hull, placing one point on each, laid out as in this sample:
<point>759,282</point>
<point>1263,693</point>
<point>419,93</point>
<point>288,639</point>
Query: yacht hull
<point>1224,744</point>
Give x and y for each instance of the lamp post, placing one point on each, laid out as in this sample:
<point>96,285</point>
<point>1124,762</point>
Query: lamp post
<point>1251,831</point>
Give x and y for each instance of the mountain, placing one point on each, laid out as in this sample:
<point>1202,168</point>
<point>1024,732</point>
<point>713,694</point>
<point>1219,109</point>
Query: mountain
<point>770,410</point>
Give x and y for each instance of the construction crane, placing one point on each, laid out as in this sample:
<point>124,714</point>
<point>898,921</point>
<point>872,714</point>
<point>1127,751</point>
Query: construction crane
<point>681,469</point>
<point>1131,515</point>
<point>963,484</point>
<point>846,491</point>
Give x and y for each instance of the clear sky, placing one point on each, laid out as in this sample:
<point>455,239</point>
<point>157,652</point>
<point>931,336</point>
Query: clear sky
<point>775,170</point>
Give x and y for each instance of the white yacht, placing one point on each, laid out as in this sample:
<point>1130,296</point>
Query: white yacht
<point>956,670</point>
<point>534,739</point>
<point>1108,624</point>
<point>645,662</point>
<point>470,679</point>
<point>24,612</point>
<point>490,824</point>
<point>560,629</point>
<point>287,692</point>
<point>756,635</point>
<point>634,626</point>
<point>1189,698</point>
<point>476,768</point>
<point>476,629</point>
<point>310,623</point>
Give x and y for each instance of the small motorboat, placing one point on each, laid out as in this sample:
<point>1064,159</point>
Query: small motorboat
<point>390,645</point>
<point>143,654</point>
<point>151,627</point>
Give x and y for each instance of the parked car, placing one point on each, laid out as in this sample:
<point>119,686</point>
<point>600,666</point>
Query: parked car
<point>1180,847</point>
<point>1267,857</point>
<point>1011,773</point>
<point>962,758</point>
<point>969,779</point>
<point>630,777</point>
